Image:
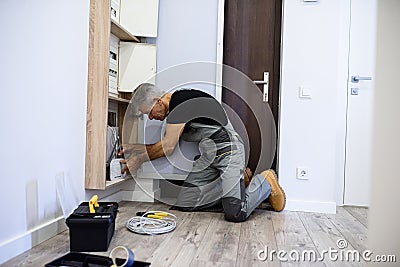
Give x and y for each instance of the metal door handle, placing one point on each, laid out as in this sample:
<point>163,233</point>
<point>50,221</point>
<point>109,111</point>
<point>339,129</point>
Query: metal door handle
<point>260,82</point>
<point>265,85</point>
<point>356,79</point>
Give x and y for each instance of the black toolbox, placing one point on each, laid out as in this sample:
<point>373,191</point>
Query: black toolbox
<point>92,231</point>
<point>77,259</point>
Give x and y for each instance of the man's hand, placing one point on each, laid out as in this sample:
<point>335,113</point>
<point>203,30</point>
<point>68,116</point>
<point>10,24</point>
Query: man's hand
<point>133,149</point>
<point>136,154</point>
<point>133,163</point>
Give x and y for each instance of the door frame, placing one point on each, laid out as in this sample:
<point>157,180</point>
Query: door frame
<point>220,50</point>
<point>341,123</point>
<point>347,174</point>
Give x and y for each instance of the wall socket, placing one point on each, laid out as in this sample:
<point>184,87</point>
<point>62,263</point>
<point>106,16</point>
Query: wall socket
<point>302,173</point>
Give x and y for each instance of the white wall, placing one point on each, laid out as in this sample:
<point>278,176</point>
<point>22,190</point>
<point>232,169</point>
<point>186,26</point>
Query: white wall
<point>187,33</point>
<point>43,112</point>
<point>314,54</point>
<point>384,218</point>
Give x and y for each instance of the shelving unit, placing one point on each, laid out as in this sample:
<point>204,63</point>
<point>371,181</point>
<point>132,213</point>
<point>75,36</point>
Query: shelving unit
<point>97,95</point>
<point>123,34</point>
<point>118,99</point>
<point>101,26</point>
<point>117,181</point>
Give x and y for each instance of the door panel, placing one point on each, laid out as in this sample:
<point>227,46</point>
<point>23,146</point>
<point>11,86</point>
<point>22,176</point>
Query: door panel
<point>252,33</point>
<point>360,103</point>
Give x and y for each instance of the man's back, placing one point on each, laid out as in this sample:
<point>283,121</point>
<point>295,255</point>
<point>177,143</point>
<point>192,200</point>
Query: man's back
<point>195,106</point>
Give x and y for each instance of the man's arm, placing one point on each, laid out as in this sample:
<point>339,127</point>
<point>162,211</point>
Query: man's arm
<point>167,145</point>
<point>160,149</point>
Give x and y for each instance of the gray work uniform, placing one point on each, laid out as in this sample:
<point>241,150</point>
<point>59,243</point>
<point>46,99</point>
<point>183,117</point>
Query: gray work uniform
<point>218,174</point>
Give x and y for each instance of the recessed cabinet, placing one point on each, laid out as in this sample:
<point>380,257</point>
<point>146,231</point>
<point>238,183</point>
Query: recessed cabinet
<point>137,63</point>
<point>114,56</point>
<point>140,17</point>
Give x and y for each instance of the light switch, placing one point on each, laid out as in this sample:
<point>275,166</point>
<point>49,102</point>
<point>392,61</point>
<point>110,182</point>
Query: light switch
<point>305,92</point>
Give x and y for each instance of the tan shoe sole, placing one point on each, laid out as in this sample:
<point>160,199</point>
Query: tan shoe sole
<point>277,198</point>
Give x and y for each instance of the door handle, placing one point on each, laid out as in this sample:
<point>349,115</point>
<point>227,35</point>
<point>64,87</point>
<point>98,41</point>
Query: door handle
<point>260,82</point>
<point>265,83</point>
<point>356,78</point>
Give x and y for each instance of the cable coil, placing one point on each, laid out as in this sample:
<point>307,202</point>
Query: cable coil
<point>151,226</point>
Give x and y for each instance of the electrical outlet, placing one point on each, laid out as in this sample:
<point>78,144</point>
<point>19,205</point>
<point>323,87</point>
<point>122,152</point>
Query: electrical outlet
<point>302,173</point>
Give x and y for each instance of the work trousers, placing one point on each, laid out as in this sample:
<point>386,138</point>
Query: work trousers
<point>217,177</point>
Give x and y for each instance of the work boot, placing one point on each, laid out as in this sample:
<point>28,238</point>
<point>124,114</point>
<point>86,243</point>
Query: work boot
<point>277,198</point>
<point>248,175</point>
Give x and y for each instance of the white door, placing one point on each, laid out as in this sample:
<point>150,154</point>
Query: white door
<point>360,99</point>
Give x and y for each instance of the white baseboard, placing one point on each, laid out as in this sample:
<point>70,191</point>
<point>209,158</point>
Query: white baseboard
<point>310,206</point>
<point>19,244</point>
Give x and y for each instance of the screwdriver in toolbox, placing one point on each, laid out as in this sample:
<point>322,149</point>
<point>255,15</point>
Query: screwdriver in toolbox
<point>154,215</point>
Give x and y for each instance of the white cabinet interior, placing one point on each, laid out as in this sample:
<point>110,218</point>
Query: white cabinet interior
<point>140,17</point>
<point>137,64</point>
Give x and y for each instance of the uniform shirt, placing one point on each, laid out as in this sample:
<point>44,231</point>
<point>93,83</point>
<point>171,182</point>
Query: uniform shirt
<point>190,105</point>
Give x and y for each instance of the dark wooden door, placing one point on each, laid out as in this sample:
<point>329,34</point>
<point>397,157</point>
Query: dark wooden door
<point>252,34</point>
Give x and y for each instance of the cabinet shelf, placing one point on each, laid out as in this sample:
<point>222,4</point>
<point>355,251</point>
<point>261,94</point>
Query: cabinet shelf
<point>122,33</point>
<point>117,181</point>
<point>118,99</point>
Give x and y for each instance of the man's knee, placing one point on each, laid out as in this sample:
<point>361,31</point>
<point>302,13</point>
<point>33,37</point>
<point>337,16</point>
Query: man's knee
<point>233,210</point>
<point>187,197</point>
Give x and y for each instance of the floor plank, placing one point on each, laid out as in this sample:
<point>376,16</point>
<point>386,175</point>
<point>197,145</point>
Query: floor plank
<point>206,239</point>
<point>353,231</point>
<point>360,213</point>
<point>220,244</point>
<point>291,235</point>
<point>325,235</point>
<point>256,234</point>
<point>44,253</point>
<point>186,240</point>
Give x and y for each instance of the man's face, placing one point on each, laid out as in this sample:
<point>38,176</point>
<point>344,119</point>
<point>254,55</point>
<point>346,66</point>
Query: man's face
<point>156,112</point>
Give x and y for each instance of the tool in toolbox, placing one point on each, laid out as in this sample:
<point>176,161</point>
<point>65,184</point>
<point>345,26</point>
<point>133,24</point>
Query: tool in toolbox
<point>93,203</point>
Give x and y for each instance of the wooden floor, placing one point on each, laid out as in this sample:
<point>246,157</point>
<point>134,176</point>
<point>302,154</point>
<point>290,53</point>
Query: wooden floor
<point>206,239</point>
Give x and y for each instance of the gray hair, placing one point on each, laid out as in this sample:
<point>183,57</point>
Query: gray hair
<point>144,94</point>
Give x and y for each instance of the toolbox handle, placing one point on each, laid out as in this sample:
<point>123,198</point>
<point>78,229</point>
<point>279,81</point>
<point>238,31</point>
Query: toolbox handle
<point>93,203</point>
<point>97,260</point>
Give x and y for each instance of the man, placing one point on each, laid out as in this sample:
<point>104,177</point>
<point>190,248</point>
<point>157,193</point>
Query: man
<point>217,176</point>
